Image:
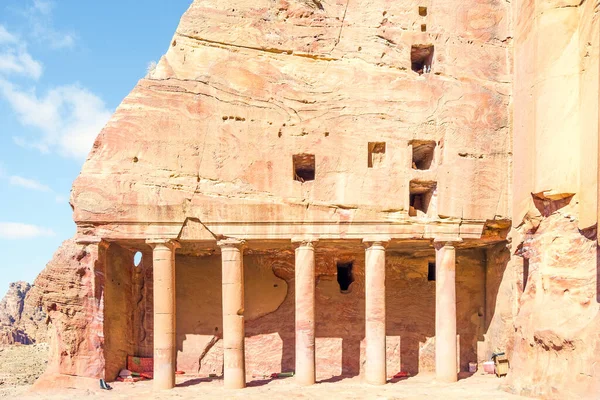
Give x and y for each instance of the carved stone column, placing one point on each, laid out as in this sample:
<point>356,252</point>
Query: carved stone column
<point>305,312</point>
<point>234,364</point>
<point>165,350</point>
<point>375,368</point>
<point>445,312</point>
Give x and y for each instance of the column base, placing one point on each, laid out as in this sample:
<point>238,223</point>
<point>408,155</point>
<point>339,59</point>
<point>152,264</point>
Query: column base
<point>234,379</point>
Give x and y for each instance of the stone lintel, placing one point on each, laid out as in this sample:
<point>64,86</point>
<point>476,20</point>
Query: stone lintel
<point>286,230</point>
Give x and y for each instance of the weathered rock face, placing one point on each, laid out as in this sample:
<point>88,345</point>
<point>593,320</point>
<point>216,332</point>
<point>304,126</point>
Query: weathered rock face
<point>20,321</point>
<point>11,305</point>
<point>557,343</point>
<point>67,290</point>
<point>556,316</point>
<point>245,86</point>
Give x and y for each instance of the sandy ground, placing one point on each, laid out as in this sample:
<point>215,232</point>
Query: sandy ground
<point>20,365</point>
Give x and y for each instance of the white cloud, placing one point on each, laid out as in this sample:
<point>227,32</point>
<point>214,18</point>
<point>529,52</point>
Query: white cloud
<point>28,184</point>
<point>19,61</point>
<point>68,117</point>
<point>6,36</point>
<point>17,230</point>
<point>42,27</point>
<point>31,184</point>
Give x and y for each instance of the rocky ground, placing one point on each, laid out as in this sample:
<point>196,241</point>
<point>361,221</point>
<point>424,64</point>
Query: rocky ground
<point>21,365</point>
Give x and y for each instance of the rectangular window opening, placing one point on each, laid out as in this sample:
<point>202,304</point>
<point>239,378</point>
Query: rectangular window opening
<point>345,276</point>
<point>422,154</point>
<point>431,271</point>
<point>421,58</point>
<point>423,11</point>
<point>421,193</point>
<point>423,27</point>
<point>376,154</point>
<point>304,167</point>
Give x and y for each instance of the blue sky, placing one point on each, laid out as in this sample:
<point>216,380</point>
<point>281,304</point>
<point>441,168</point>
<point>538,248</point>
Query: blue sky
<point>65,65</point>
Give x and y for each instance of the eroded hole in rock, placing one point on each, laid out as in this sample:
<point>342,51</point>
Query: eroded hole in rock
<point>423,11</point>
<point>345,277</point>
<point>431,271</point>
<point>137,258</point>
<point>421,193</point>
<point>421,57</point>
<point>376,154</point>
<point>548,202</point>
<point>304,167</point>
<point>422,154</point>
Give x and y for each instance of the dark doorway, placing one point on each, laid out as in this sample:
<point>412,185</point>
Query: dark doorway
<point>345,277</point>
<point>431,271</point>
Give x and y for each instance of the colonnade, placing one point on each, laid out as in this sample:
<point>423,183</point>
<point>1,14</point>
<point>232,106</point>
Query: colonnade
<point>233,312</point>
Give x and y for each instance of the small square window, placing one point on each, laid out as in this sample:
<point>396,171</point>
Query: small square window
<point>423,27</point>
<point>304,167</point>
<point>421,193</point>
<point>376,154</point>
<point>422,153</point>
<point>423,11</point>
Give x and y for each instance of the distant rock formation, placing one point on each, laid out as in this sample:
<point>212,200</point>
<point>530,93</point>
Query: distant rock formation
<point>21,321</point>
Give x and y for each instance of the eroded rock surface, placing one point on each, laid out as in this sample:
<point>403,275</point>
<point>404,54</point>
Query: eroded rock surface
<point>66,291</point>
<point>245,86</point>
<point>557,328</point>
<point>21,321</point>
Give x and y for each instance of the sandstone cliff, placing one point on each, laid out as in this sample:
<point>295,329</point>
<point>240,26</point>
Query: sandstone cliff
<point>65,291</point>
<point>21,321</point>
<point>555,343</point>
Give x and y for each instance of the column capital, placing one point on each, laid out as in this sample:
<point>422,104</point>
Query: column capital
<point>170,243</point>
<point>440,242</point>
<point>369,242</point>
<point>304,241</point>
<point>228,243</point>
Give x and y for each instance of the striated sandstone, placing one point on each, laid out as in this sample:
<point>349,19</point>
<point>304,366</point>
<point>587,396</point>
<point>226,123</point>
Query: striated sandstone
<point>66,291</point>
<point>211,132</point>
